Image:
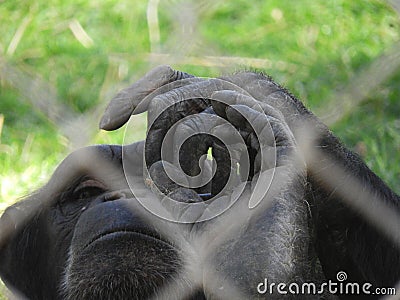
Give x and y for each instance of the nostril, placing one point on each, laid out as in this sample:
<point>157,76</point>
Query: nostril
<point>109,197</point>
<point>205,196</point>
<point>115,195</point>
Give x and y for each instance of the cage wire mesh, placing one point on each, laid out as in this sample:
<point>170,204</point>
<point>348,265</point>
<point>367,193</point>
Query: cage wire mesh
<point>184,47</point>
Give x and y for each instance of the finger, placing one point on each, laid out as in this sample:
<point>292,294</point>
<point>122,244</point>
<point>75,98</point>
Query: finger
<point>158,127</point>
<point>274,140</point>
<point>166,181</point>
<point>269,131</point>
<point>191,142</point>
<point>264,89</point>
<point>254,121</point>
<point>220,100</point>
<point>194,91</point>
<point>166,109</point>
<point>209,174</point>
<point>123,104</point>
<point>234,140</point>
<point>224,98</point>
<point>192,138</point>
<point>164,177</point>
<point>146,101</point>
<point>244,125</point>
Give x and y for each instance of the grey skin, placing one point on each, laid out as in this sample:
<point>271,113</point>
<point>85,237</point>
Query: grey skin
<point>85,235</point>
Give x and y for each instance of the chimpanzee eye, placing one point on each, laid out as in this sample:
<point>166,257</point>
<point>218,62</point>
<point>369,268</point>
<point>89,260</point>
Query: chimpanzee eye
<point>88,189</point>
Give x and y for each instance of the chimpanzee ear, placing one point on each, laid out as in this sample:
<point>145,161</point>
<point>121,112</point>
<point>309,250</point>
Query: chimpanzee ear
<point>19,242</point>
<point>12,221</point>
<point>11,225</point>
<point>6,229</point>
<point>8,234</point>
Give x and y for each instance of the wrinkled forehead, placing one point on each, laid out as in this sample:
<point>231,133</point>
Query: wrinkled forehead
<point>95,161</point>
<point>103,162</point>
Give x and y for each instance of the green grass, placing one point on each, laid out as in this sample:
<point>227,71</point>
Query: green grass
<point>316,48</point>
<point>3,291</point>
<point>320,47</point>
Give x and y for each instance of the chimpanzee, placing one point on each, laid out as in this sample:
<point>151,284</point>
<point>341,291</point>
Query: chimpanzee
<point>282,210</point>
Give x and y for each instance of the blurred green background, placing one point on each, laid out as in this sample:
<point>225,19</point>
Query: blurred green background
<point>63,60</point>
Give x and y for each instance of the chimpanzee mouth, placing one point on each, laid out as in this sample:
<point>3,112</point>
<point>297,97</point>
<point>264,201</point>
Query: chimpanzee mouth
<point>128,234</point>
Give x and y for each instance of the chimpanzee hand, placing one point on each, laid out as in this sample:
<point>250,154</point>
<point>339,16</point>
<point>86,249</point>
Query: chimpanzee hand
<point>190,116</point>
<point>255,182</point>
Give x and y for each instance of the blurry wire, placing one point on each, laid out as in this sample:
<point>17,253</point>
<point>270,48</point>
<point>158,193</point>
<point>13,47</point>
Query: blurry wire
<point>42,96</point>
<point>231,62</point>
<point>80,34</point>
<point>395,4</point>
<point>360,87</point>
<point>18,35</point>
<point>152,22</point>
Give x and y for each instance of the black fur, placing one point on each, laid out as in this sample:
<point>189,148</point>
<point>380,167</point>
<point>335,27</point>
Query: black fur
<point>85,236</point>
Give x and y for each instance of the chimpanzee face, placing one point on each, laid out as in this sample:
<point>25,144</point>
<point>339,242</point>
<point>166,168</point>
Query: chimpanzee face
<point>85,240</point>
<point>90,238</point>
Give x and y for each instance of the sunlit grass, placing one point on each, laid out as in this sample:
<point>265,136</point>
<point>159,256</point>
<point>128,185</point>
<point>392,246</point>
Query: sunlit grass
<point>2,291</point>
<point>316,47</point>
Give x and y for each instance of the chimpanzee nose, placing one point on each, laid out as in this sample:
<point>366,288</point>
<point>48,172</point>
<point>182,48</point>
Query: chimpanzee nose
<point>111,196</point>
<point>116,195</point>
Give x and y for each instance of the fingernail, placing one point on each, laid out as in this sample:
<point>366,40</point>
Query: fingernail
<point>103,123</point>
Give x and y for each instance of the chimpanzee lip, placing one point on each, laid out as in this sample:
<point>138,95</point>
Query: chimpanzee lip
<point>147,234</point>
